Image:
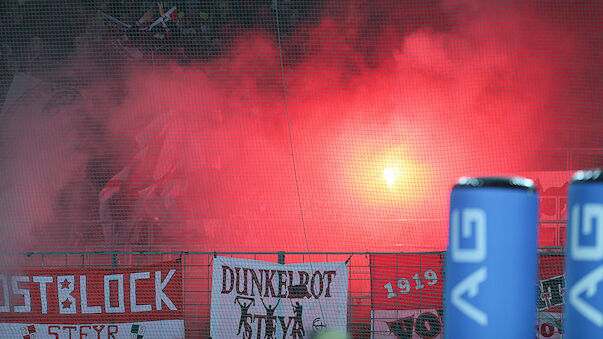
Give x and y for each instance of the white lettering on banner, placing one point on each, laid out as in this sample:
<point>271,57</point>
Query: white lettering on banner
<point>159,294</point>
<point>470,216</point>
<point>470,284</point>
<point>93,302</point>
<point>120,308</point>
<point>26,307</point>
<point>67,295</point>
<point>133,305</point>
<point>84,298</point>
<point>65,286</point>
<point>403,285</point>
<point>431,277</point>
<point>5,308</point>
<point>591,214</point>
<point>43,280</point>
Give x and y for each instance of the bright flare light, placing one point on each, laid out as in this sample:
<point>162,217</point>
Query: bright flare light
<point>391,174</point>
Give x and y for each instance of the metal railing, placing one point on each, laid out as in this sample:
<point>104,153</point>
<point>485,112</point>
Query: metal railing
<point>197,277</point>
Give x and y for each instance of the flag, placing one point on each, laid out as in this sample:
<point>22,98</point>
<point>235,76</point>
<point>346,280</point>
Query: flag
<point>29,332</point>
<point>147,189</point>
<point>137,331</point>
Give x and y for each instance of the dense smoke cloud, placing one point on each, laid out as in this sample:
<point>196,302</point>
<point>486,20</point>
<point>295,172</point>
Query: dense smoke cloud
<point>424,91</point>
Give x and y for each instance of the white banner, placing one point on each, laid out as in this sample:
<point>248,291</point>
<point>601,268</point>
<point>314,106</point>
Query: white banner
<point>550,325</point>
<point>258,299</point>
<point>162,329</point>
<point>415,324</point>
<point>428,323</point>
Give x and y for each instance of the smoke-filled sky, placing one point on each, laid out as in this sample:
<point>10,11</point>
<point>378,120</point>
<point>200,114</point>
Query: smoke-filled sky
<point>349,133</point>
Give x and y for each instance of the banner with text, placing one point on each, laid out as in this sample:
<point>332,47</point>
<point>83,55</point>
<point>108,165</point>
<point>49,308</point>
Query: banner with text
<point>258,299</point>
<point>113,303</point>
<point>551,288</point>
<point>407,295</point>
<point>407,281</point>
<point>407,324</point>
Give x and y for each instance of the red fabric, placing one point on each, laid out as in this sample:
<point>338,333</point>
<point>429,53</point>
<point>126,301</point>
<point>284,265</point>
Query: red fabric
<point>95,294</point>
<point>408,270</point>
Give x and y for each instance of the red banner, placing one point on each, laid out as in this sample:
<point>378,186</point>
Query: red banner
<point>551,283</point>
<point>407,281</point>
<point>103,302</point>
<point>407,291</point>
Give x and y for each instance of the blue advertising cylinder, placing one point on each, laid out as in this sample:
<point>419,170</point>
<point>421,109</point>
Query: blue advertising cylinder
<point>584,270</point>
<point>492,259</point>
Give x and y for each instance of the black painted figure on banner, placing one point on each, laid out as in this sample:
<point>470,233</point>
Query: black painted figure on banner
<point>298,324</point>
<point>244,314</point>
<point>270,320</point>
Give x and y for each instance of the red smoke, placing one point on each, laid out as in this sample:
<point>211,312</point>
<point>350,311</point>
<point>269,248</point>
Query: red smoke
<point>425,93</point>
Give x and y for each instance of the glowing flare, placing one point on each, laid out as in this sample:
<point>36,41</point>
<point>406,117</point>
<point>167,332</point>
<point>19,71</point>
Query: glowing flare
<point>391,174</point>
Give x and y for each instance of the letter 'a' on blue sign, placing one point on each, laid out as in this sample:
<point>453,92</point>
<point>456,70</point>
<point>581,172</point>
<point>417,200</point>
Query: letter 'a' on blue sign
<point>584,270</point>
<point>492,259</point>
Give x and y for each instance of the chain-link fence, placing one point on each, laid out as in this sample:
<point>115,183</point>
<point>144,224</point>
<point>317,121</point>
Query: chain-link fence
<point>130,125</point>
<point>390,295</point>
<point>253,125</point>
